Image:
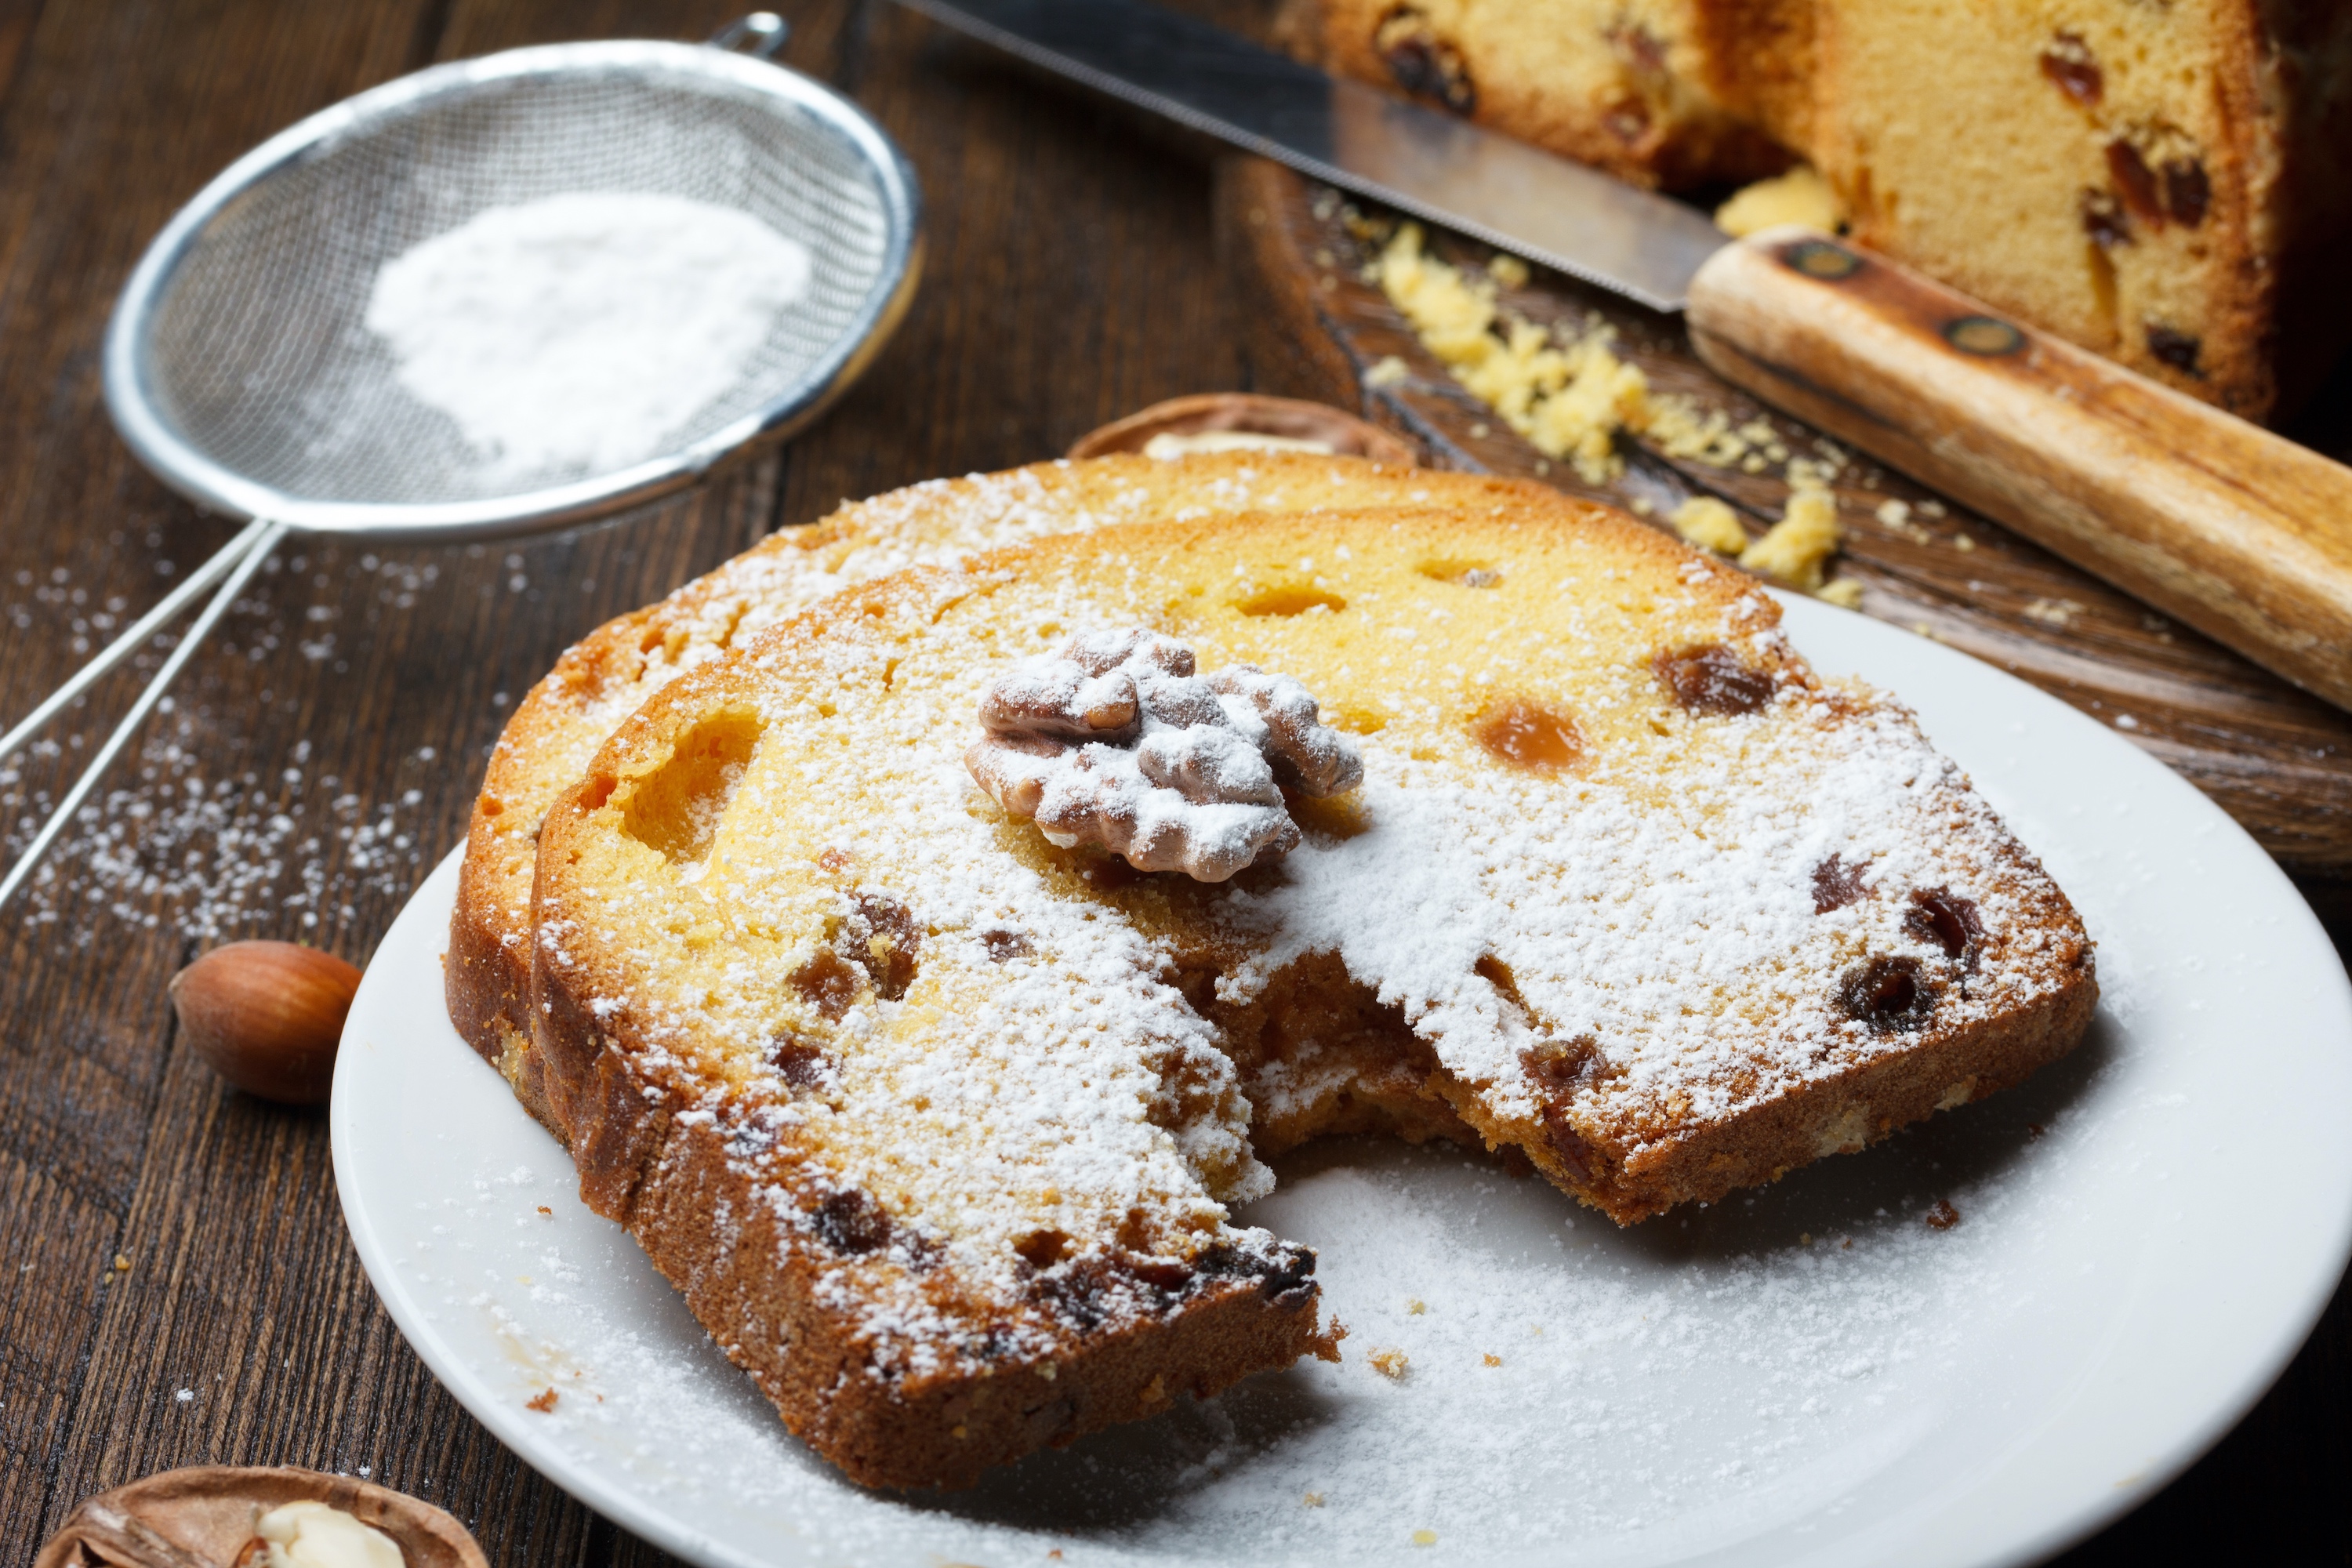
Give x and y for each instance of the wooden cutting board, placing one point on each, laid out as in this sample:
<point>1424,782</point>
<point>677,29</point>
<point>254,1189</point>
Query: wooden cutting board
<point>2276,758</point>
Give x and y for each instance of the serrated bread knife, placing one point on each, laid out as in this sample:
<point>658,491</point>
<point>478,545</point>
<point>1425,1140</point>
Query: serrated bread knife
<point>2241,534</point>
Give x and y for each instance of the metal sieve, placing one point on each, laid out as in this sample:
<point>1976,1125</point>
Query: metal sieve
<point>239,372</point>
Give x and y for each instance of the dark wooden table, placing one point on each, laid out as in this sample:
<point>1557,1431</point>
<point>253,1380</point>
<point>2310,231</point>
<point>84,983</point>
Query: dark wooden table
<point>175,1283</point>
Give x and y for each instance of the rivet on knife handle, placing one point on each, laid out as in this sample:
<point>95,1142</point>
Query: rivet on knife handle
<point>2239,533</point>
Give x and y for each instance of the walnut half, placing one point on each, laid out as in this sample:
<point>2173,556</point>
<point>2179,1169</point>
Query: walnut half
<point>1118,740</point>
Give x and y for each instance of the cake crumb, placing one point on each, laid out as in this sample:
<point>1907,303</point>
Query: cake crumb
<point>1390,1364</point>
<point>1801,195</point>
<point>1416,1307</point>
<point>1508,270</point>
<point>1425,1538</point>
<point>544,1402</point>
<point>1491,1358</point>
<point>1962,541</point>
<point>1797,549</point>
<point>1710,524</point>
<point>1312,1500</point>
<point>1387,372</point>
<point>547,1211</point>
<point>1846,594</point>
<point>2057,612</point>
<point>1943,1216</point>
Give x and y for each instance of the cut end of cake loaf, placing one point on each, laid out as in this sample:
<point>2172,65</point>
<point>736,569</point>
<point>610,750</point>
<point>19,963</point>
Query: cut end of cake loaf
<point>923,1112</point>
<point>2167,184</point>
<point>609,674</point>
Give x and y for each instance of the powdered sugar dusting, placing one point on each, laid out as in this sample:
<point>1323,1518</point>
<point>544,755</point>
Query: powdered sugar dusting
<point>1019,1093</point>
<point>576,331</point>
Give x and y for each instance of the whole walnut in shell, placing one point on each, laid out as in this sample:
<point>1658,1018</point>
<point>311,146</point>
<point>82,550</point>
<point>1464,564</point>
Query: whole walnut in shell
<point>1118,741</point>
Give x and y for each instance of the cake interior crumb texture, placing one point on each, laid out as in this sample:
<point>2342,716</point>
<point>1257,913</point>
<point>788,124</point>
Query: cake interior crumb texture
<point>939,1126</point>
<point>2169,183</point>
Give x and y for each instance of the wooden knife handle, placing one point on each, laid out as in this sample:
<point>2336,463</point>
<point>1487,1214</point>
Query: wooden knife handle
<point>2221,524</point>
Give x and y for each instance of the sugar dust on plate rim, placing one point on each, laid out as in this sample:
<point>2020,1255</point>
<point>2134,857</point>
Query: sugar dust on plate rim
<point>577,332</point>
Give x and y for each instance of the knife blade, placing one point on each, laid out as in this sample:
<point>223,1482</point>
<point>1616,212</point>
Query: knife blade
<point>1568,216</point>
<point>2242,535</point>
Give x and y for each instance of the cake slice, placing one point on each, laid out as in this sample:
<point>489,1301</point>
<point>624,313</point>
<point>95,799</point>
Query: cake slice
<point>936,1111</point>
<point>607,675</point>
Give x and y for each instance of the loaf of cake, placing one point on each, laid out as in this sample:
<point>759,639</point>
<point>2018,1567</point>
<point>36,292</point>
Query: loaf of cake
<point>922,981</point>
<point>605,678</point>
<point>2164,184</point>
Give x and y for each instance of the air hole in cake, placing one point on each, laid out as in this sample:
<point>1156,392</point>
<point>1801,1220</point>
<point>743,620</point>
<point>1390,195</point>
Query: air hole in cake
<point>827,983</point>
<point>1837,884</point>
<point>1529,735</point>
<point>1462,573</point>
<point>2068,63</point>
<point>885,940</point>
<point>1042,1248</point>
<point>799,1062</point>
<point>1290,601</point>
<point>1005,946</point>
<point>1949,921</point>
<point>675,810</point>
<point>1709,678</point>
<point>1888,993</point>
<point>851,1222</point>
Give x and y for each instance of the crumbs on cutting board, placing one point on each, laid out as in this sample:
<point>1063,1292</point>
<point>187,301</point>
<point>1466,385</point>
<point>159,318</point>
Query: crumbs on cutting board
<point>1571,395</point>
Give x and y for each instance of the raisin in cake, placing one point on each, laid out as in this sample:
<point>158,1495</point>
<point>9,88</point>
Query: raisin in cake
<point>608,674</point>
<point>934,1107</point>
<point>2170,185</point>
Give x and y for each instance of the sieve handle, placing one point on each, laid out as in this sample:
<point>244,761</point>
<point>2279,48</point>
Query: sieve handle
<point>131,641</point>
<point>237,561</point>
<point>761,35</point>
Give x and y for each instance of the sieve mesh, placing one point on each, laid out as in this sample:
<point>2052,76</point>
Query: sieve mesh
<point>257,357</point>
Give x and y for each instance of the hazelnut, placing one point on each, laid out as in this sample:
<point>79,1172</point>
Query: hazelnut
<point>267,1015</point>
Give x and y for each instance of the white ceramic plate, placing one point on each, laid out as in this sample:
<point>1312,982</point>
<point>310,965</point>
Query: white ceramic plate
<point>1810,1372</point>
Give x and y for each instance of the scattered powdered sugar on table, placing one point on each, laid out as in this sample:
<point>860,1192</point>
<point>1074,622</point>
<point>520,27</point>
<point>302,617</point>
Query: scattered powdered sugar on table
<point>578,331</point>
<point>194,832</point>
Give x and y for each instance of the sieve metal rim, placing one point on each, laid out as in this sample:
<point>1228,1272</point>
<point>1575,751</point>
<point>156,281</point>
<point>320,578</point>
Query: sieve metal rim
<point>187,469</point>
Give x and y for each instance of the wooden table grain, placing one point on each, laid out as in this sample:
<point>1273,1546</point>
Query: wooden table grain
<point>175,1283</point>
